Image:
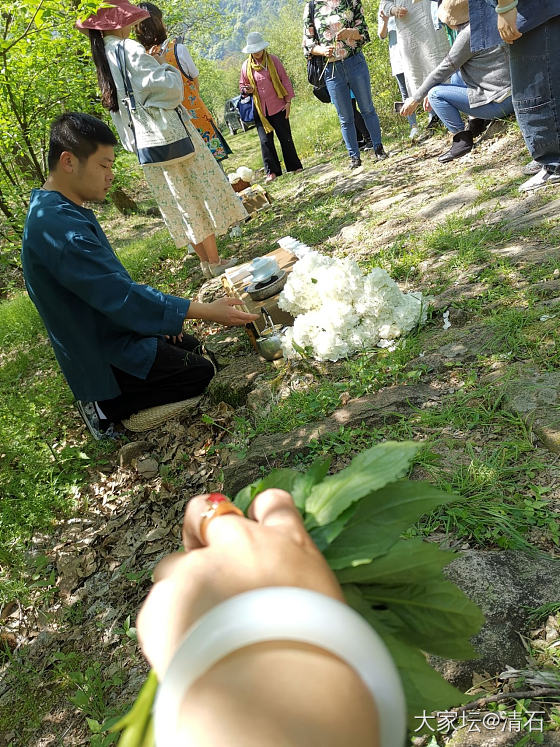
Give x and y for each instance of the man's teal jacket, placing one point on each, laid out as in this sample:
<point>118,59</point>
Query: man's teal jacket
<point>95,314</point>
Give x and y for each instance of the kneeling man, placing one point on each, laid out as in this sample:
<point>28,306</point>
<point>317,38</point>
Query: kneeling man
<point>119,344</point>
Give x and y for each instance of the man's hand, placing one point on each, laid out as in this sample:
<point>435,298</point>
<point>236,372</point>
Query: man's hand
<point>507,26</point>
<point>409,107</point>
<point>222,310</point>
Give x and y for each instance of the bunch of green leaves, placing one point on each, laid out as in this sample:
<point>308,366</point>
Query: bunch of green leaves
<point>356,518</point>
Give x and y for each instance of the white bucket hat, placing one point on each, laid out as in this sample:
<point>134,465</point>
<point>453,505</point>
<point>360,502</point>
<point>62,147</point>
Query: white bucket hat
<point>255,42</point>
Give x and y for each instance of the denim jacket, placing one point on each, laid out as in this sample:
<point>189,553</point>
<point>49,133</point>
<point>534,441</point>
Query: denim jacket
<point>483,19</point>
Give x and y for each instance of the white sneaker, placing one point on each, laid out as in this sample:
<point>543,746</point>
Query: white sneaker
<point>533,167</point>
<point>414,132</point>
<point>542,179</point>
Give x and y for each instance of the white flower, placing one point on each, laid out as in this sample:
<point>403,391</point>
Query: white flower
<point>338,310</point>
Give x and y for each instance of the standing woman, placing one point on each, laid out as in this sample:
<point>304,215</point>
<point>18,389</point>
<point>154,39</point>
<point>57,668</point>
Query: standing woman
<point>336,31</point>
<point>264,76</point>
<point>422,47</point>
<point>152,34</point>
<point>194,195</point>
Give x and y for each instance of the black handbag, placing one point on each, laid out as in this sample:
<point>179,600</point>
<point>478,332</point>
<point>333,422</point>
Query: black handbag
<point>316,66</point>
<point>160,135</point>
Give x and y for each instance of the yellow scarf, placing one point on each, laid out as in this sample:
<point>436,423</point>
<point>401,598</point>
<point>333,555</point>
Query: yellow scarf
<point>266,63</point>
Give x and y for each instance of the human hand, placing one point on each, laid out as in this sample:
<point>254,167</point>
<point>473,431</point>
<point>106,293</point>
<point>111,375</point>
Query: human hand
<point>271,548</point>
<point>175,338</point>
<point>247,88</point>
<point>507,26</point>
<point>222,310</point>
<point>287,110</point>
<point>398,11</point>
<point>348,35</point>
<point>384,17</point>
<point>409,107</point>
<point>324,50</point>
<point>427,106</point>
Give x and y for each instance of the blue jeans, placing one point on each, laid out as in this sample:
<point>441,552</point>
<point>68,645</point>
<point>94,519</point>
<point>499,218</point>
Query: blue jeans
<point>535,83</point>
<point>341,77</point>
<point>450,99</point>
<point>404,93</point>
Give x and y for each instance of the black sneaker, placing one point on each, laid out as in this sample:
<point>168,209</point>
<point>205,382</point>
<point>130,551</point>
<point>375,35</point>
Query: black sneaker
<point>368,145</point>
<point>355,163</point>
<point>380,153</point>
<point>98,428</point>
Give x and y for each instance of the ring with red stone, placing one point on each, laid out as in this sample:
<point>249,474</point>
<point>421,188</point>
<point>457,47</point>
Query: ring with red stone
<point>218,505</point>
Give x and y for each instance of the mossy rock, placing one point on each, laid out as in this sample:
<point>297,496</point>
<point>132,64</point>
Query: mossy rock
<point>233,383</point>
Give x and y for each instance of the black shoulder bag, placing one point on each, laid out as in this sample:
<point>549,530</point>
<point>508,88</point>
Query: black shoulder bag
<point>316,66</point>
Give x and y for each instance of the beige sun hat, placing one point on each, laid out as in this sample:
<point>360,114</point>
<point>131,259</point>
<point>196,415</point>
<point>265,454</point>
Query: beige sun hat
<point>154,416</point>
<point>255,43</point>
<point>454,12</point>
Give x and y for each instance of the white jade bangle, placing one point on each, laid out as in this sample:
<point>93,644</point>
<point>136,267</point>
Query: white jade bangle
<point>282,614</point>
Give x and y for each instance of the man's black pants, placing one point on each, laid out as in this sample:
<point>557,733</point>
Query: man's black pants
<point>281,126</point>
<point>179,372</point>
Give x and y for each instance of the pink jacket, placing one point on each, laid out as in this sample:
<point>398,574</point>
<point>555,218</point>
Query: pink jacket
<point>270,102</point>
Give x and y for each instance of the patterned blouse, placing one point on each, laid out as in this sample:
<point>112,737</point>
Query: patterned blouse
<point>330,17</point>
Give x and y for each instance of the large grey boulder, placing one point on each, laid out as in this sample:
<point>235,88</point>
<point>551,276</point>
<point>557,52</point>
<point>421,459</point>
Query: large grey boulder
<point>505,585</point>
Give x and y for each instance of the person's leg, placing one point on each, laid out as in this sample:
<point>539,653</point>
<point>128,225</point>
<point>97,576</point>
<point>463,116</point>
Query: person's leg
<point>179,372</point>
<point>268,150</point>
<point>401,82</point>
<point>283,131</point>
<point>449,101</point>
<point>338,87</point>
<point>535,83</point>
<point>358,77</point>
<point>361,129</point>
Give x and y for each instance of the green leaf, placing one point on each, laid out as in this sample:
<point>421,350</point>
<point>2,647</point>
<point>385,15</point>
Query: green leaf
<point>137,722</point>
<point>369,471</point>
<point>314,475</point>
<point>380,519</point>
<point>323,536</point>
<point>94,726</point>
<point>438,616</point>
<point>286,479</point>
<point>408,561</point>
<point>424,688</point>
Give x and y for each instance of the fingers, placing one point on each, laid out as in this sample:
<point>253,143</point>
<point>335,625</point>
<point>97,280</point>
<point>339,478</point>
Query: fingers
<point>191,533</point>
<point>276,508</point>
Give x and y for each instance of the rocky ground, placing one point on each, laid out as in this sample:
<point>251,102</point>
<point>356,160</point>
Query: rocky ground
<point>492,269</point>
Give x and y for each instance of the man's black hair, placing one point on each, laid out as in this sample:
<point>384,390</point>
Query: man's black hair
<point>78,133</point>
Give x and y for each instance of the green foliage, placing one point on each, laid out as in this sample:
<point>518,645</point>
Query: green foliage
<point>396,585</point>
<point>357,518</point>
<point>44,70</point>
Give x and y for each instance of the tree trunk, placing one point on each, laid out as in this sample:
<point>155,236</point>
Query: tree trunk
<point>123,202</point>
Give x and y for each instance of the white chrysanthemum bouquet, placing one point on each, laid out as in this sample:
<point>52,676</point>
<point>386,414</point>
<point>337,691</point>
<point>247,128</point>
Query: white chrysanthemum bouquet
<point>339,310</point>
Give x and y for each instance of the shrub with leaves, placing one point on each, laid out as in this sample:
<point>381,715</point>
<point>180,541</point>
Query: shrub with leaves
<point>356,518</point>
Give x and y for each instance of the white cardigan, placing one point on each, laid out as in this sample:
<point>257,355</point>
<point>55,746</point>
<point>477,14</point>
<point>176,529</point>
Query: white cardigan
<point>154,85</point>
